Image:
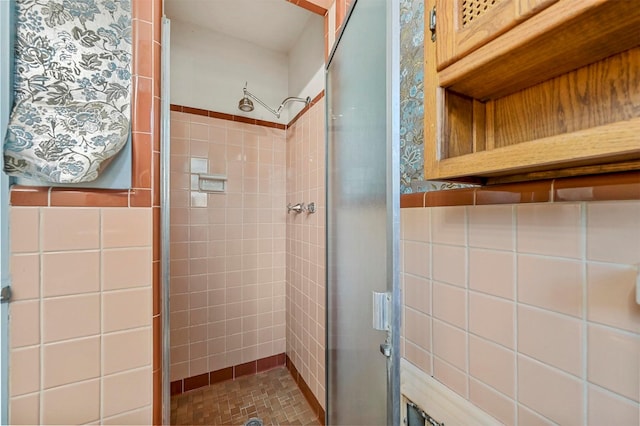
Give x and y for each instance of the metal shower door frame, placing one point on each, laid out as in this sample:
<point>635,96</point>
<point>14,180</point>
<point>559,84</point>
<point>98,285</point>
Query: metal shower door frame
<point>7,34</point>
<point>165,219</point>
<point>393,204</point>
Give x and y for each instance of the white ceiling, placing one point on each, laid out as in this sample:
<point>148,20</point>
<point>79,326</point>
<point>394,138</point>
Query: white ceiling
<point>274,24</point>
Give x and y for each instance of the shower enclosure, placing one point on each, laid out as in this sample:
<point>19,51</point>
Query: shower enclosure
<point>6,95</point>
<point>362,217</point>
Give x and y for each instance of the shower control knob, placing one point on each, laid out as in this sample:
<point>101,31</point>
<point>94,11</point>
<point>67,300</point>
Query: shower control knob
<point>311,208</point>
<point>298,208</point>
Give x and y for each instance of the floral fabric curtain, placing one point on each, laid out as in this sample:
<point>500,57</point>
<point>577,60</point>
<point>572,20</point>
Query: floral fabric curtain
<point>72,89</point>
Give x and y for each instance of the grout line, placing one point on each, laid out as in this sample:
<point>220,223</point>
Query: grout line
<point>41,310</point>
<point>467,278</point>
<point>101,314</point>
<point>131,411</point>
<point>537,414</point>
<point>613,329</point>
<point>68,385</point>
<point>514,250</point>
<point>430,278</point>
<point>613,394</point>
<point>489,340</point>
<point>552,367</point>
<point>483,383</point>
<point>585,333</point>
<point>489,295</point>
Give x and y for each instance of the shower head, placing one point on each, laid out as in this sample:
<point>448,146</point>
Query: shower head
<point>245,104</point>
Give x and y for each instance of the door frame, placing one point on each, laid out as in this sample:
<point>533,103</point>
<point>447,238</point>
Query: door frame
<point>394,413</point>
<point>165,220</point>
<point>7,33</point>
<point>393,208</point>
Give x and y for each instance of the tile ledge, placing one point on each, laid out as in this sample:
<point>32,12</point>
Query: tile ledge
<point>438,400</point>
<point>622,186</point>
<point>48,196</point>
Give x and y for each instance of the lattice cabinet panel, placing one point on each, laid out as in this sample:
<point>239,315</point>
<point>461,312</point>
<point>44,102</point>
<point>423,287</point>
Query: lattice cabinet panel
<point>469,24</point>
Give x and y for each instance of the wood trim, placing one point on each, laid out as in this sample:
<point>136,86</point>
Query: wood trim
<point>433,99</point>
<point>479,126</point>
<point>577,148</point>
<point>564,36</point>
<point>496,20</point>
<point>585,171</point>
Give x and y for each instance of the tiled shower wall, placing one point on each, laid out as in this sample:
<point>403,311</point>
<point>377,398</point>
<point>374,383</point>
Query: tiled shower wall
<point>227,249</point>
<point>306,249</point>
<point>527,311</point>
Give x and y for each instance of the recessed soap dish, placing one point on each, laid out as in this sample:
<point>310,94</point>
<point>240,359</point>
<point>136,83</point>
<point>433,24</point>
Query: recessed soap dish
<point>212,183</point>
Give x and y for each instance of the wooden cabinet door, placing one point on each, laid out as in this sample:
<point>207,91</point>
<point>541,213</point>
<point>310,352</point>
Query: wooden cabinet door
<point>465,25</point>
<point>542,89</point>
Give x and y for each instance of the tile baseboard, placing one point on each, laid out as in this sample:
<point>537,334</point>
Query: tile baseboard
<point>230,373</point>
<point>306,391</point>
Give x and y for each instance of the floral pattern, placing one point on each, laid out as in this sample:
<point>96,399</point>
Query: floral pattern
<point>411,93</point>
<point>72,88</point>
<point>412,101</point>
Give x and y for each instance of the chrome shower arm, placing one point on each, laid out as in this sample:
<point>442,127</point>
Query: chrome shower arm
<point>279,110</point>
<point>255,98</point>
<point>306,101</point>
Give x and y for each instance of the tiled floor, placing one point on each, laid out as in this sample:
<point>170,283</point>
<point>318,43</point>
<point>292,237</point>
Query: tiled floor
<point>272,396</point>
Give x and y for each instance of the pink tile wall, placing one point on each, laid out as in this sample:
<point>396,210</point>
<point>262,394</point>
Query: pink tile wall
<point>145,192</point>
<point>527,311</point>
<point>306,249</point>
<point>227,249</point>
<point>81,315</point>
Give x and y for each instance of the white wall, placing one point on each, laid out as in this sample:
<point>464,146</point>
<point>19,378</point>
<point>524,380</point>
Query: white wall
<point>209,69</point>
<point>306,60</point>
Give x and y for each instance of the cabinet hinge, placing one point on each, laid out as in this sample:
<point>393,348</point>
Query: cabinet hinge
<point>432,23</point>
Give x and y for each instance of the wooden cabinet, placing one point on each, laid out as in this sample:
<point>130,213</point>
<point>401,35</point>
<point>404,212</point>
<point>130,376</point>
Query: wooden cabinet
<point>532,88</point>
<point>469,24</point>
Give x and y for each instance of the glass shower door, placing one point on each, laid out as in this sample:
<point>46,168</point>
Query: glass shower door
<point>362,217</point>
<point>6,100</point>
